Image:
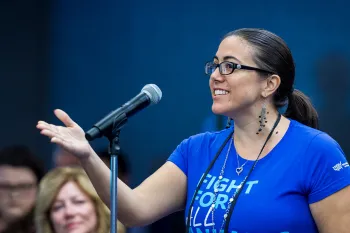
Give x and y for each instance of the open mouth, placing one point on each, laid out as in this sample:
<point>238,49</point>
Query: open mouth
<point>220,92</point>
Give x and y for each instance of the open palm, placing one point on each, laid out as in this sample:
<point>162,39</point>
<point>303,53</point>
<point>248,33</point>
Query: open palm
<point>70,137</point>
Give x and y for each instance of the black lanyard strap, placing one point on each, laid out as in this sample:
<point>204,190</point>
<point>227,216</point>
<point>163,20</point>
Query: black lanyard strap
<point>227,223</point>
<point>202,179</point>
<point>240,188</point>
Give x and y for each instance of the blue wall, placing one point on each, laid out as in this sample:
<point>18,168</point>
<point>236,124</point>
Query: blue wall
<point>104,53</point>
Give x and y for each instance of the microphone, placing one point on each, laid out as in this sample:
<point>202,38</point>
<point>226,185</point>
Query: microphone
<point>149,95</point>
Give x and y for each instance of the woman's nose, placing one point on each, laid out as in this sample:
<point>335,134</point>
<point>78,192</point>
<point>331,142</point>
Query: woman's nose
<point>216,76</point>
<point>69,211</point>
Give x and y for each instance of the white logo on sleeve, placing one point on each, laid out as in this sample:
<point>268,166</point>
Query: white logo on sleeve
<point>340,166</point>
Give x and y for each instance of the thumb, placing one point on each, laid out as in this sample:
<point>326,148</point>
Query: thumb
<point>63,116</point>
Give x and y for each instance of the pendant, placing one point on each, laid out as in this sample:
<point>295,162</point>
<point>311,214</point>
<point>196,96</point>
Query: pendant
<point>239,170</point>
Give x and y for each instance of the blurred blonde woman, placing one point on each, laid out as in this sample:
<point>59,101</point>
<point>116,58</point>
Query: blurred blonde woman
<point>67,202</point>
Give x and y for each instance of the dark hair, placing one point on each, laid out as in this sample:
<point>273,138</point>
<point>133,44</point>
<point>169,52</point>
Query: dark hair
<point>21,156</point>
<point>273,54</point>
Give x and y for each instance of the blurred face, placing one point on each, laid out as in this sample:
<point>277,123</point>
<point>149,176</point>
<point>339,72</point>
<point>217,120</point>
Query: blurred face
<point>239,90</point>
<point>18,186</point>
<point>73,211</point>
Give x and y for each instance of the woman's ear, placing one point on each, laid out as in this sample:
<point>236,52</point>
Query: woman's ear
<point>270,85</point>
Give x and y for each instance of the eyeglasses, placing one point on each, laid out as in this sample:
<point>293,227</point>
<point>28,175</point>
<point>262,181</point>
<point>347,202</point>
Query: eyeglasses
<point>227,67</point>
<point>19,188</point>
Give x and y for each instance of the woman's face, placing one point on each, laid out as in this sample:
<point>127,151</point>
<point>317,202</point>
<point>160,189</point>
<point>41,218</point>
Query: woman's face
<point>73,211</point>
<point>241,89</point>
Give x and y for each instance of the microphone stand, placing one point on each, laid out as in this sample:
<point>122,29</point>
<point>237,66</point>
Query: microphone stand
<point>114,150</point>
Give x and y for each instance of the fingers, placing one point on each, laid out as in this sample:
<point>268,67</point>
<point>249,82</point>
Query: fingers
<point>49,130</point>
<point>62,116</point>
<point>42,125</point>
<point>61,142</point>
<point>49,133</point>
<point>45,126</point>
<point>55,136</point>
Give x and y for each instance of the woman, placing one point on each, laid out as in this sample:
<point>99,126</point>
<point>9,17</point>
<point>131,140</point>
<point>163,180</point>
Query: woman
<point>67,202</point>
<point>267,173</point>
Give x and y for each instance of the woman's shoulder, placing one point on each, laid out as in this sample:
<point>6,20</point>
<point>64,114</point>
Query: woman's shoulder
<point>204,141</point>
<point>322,165</point>
<point>315,139</point>
<point>198,145</point>
<point>209,137</point>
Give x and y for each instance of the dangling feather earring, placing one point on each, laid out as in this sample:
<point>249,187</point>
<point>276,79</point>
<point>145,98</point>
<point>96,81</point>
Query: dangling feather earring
<point>262,118</point>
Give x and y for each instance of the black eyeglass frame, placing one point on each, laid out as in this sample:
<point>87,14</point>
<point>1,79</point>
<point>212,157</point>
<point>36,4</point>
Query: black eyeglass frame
<point>235,67</point>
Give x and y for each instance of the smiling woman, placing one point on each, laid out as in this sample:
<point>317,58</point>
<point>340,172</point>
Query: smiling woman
<point>269,172</point>
<point>67,202</point>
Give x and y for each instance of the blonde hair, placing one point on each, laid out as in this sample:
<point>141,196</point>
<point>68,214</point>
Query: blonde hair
<point>49,187</point>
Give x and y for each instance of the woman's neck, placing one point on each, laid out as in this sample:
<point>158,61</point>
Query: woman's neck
<point>247,128</point>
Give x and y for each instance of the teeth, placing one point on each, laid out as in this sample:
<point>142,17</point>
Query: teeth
<point>220,92</point>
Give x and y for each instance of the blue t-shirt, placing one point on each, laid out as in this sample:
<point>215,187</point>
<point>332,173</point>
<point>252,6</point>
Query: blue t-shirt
<point>305,167</point>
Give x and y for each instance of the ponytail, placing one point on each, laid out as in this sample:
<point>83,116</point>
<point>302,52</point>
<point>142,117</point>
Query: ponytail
<point>301,109</point>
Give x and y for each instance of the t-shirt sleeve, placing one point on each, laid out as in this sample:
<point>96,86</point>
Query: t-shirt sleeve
<point>327,171</point>
<point>180,156</point>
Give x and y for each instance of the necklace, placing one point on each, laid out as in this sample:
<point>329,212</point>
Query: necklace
<point>216,190</point>
<point>239,169</point>
<point>234,197</point>
<point>233,200</point>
